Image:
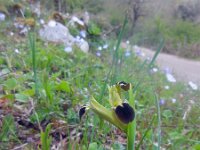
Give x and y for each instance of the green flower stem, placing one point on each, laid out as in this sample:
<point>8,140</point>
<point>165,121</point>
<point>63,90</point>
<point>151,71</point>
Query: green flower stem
<point>131,126</point>
<point>108,115</point>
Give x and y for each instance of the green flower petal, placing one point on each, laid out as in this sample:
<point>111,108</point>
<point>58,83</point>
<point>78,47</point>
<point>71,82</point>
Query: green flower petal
<point>107,114</point>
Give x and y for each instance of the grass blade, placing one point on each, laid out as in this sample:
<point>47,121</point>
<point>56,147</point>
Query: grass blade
<point>145,133</point>
<point>116,54</point>
<point>156,53</point>
<point>33,53</point>
<point>132,126</point>
<point>159,121</point>
<point>150,64</point>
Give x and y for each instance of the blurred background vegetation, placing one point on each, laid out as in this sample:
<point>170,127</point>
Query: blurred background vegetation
<point>176,21</point>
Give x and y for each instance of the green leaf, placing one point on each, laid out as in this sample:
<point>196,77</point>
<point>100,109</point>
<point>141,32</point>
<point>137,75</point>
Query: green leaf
<point>93,146</point>
<point>29,92</point>
<point>94,29</point>
<point>7,128</point>
<point>196,147</point>
<point>167,114</point>
<point>46,139</point>
<point>21,97</point>
<point>10,83</point>
<point>5,71</point>
<point>64,86</point>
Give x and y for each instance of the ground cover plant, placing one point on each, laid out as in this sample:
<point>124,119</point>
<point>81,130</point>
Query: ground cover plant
<point>43,87</point>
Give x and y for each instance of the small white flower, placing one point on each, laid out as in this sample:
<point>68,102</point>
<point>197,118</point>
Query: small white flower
<point>42,21</point>
<point>142,54</point>
<point>127,42</point>
<point>170,78</point>
<point>166,87</point>
<point>2,16</point>
<point>135,47</point>
<point>11,33</point>
<point>68,49</point>
<point>78,38</point>
<point>98,54</point>
<point>193,85</point>
<point>99,48</point>
<point>173,100</point>
<point>17,51</point>
<point>83,33</point>
<point>155,69</point>
<point>148,59</point>
<point>127,53</point>
<point>105,46</point>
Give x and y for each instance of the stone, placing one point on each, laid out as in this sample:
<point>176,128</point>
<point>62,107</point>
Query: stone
<point>56,32</point>
<point>83,45</point>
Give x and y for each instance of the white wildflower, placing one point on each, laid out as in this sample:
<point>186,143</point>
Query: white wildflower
<point>155,69</point>
<point>173,100</point>
<point>105,46</point>
<point>42,21</point>
<point>170,78</point>
<point>11,33</point>
<point>17,51</point>
<point>99,48</point>
<point>82,33</point>
<point>193,85</point>
<point>68,49</point>
<point>78,38</point>
<point>166,87</point>
<point>2,16</point>
<point>127,53</point>
<point>98,54</point>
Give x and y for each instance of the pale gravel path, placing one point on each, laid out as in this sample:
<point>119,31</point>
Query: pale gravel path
<point>183,69</point>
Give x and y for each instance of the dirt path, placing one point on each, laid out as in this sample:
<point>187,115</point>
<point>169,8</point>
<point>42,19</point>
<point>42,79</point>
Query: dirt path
<point>184,69</point>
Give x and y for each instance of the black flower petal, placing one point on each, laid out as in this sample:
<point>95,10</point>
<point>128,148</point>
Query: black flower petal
<point>125,86</point>
<point>82,112</point>
<point>125,113</point>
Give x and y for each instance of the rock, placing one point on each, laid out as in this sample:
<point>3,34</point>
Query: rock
<point>83,45</point>
<point>56,32</point>
<point>76,22</point>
